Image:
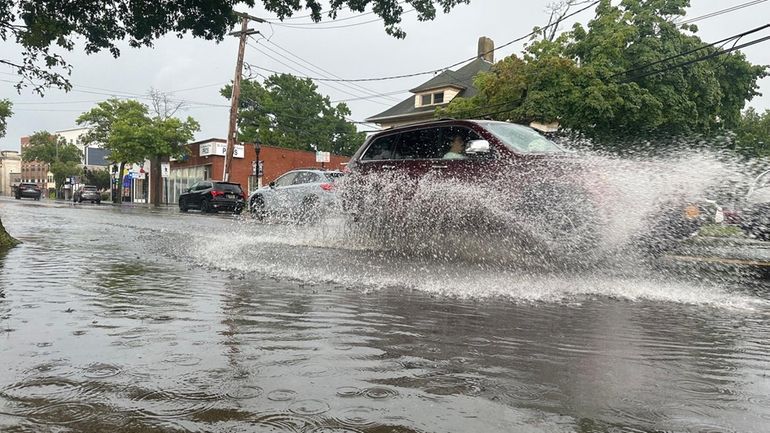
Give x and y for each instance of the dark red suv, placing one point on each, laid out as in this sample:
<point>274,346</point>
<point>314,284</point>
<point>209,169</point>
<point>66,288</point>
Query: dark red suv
<point>521,180</point>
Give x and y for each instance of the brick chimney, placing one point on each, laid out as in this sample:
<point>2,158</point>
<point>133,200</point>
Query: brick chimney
<point>486,49</point>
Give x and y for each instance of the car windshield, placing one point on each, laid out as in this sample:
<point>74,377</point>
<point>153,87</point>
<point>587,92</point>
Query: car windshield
<point>521,138</point>
<point>89,188</point>
<point>228,187</point>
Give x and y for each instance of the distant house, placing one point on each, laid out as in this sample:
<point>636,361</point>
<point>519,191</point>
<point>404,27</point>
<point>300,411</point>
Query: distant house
<point>438,91</point>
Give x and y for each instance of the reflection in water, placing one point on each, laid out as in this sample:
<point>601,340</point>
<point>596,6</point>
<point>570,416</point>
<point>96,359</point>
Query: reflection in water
<point>142,338</point>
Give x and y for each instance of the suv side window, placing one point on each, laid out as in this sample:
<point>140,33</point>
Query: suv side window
<point>467,134</point>
<point>306,177</point>
<point>204,185</point>
<point>286,180</point>
<point>421,144</point>
<point>381,148</point>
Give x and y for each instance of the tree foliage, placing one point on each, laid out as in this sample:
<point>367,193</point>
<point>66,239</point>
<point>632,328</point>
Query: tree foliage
<point>600,80</point>
<point>126,130</point>
<point>289,112</point>
<point>5,113</point>
<point>752,134</point>
<point>46,28</point>
<point>131,135</point>
<point>100,178</point>
<point>63,158</point>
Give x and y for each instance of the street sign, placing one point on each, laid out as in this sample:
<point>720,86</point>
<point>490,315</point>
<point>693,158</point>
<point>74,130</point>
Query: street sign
<point>322,156</point>
<point>253,168</point>
<point>260,168</point>
<point>165,169</point>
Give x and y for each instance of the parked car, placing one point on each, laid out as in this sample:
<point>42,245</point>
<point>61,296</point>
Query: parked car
<point>28,190</point>
<point>213,196</point>
<point>302,195</point>
<point>755,213</point>
<point>87,193</point>
<point>535,187</point>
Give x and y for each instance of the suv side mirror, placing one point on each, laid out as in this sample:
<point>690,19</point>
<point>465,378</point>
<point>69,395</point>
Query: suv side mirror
<point>476,147</point>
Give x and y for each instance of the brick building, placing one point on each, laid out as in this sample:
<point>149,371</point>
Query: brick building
<point>35,171</point>
<point>206,161</point>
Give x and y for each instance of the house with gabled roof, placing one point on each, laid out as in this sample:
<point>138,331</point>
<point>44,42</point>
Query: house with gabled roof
<point>438,91</point>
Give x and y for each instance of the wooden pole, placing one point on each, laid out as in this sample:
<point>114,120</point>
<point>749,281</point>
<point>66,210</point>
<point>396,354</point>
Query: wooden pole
<point>232,131</point>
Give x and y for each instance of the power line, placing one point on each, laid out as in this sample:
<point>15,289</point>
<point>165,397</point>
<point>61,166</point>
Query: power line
<point>722,11</point>
<point>434,71</point>
<point>694,50</point>
<point>300,72</point>
<point>319,26</point>
<point>328,73</point>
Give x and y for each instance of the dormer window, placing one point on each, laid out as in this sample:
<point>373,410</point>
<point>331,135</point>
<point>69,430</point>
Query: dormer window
<point>434,98</point>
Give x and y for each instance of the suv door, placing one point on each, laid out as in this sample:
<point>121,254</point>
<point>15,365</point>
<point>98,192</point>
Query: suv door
<point>417,149</point>
<point>275,197</point>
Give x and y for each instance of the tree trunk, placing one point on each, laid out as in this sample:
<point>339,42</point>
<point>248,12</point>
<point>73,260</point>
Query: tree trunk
<point>6,241</point>
<point>156,182</point>
<point>118,196</point>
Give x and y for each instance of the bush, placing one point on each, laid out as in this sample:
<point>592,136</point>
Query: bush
<point>105,196</point>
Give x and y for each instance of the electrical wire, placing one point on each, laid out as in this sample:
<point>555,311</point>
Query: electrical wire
<point>722,11</point>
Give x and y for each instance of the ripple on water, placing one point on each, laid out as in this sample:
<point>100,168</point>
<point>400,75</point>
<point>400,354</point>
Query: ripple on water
<point>50,389</point>
<point>55,368</point>
<point>335,430</point>
<point>62,413</point>
<point>183,359</point>
<point>244,392</point>
<point>348,391</point>
<point>309,407</point>
<point>378,392</point>
<point>101,371</point>
<point>281,395</point>
<point>163,404</point>
<point>287,422</point>
<point>357,416</point>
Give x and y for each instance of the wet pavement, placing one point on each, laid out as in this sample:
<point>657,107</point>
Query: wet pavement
<point>130,320</point>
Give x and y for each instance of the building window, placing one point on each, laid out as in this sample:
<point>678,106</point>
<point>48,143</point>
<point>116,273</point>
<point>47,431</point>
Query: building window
<point>425,100</point>
<point>431,99</point>
<point>438,98</point>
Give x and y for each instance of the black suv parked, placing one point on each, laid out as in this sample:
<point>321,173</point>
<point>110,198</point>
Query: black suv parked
<point>213,196</point>
<point>28,190</point>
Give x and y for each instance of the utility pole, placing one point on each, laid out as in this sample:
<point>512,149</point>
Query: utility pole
<point>232,131</point>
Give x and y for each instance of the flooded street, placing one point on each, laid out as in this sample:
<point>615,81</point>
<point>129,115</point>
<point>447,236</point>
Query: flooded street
<point>131,320</point>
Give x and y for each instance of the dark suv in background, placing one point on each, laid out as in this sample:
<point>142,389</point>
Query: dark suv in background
<point>213,196</point>
<point>28,190</point>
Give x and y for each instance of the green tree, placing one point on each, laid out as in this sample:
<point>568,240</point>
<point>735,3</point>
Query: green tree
<point>63,158</point>
<point>752,133</point>
<point>600,80</point>
<point>289,112</point>
<point>99,178</point>
<point>126,129</point>
<point>43,27</point>
<point>5,113</point>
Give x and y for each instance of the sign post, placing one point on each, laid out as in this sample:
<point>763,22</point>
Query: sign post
<point>322,157</point>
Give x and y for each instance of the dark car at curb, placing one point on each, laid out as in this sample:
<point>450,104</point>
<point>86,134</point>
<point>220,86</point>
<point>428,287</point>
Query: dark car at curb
<point>536,182</point>
<point>213,196</point>
<point>87,193</point>
<point>28,190</point>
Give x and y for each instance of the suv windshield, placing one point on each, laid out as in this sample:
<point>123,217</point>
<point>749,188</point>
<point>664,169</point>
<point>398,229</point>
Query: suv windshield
<point>228,187</point>
<point>89,188</point>
<point>521,139</point>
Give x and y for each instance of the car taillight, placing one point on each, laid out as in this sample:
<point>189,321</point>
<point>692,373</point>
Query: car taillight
<point>327,186</point>
<point>216,193</point>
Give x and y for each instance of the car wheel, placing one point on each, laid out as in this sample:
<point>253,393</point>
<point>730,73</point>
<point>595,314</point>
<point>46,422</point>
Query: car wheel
<point>205,207</point>
<point>98,202</point>
<point>182,205</point>
<point>309,211</point>
<point>18,198</point>
<point>257,208</point>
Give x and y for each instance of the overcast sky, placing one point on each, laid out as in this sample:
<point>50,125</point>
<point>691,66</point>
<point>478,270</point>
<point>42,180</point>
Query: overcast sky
<point>194,69</point>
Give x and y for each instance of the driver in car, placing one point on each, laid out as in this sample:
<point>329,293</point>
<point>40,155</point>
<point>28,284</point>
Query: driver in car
<point>456,148</point>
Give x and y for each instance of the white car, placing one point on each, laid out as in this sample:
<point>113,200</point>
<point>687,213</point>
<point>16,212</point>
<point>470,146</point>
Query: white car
<point>302,195</point>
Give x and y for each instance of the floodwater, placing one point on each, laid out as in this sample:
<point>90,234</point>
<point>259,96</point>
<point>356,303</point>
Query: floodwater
<point>138,321</point>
